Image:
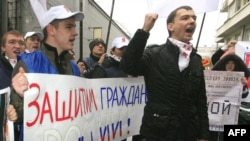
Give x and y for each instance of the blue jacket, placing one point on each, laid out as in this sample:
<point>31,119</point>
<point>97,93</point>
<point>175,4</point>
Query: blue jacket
<point>44,60</point>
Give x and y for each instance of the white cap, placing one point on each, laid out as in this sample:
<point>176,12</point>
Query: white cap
<point>59,12</point>
<point>120,42</point>
<point>31,33</point>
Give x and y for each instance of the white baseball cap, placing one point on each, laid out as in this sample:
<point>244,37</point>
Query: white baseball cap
<point>120,42</point>
<point>31,33</point>
<point>59,12</point>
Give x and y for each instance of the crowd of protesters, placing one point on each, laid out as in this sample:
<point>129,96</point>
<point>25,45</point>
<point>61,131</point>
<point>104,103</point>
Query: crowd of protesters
<point>176,109</point>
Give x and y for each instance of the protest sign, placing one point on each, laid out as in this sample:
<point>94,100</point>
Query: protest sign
<point>224,90</point>
<point>67,108</point>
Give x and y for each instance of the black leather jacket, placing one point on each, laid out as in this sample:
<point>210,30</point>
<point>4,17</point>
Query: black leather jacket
<point>177,105</point>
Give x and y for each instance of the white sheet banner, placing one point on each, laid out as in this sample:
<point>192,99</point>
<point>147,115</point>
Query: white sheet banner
<point>39,7</point>
<point>164,7</point>
<point>224,91</point>
<point>70,108</point>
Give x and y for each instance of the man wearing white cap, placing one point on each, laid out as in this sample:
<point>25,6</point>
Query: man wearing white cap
<point>32,41</point>
<point>112,63</point>
<point>59,28</point>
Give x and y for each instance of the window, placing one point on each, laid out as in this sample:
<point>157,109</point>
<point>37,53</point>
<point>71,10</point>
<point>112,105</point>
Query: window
<point>237,5</point>
<point>231,11</point>
<point>238,37</point>
<point>247,35</point>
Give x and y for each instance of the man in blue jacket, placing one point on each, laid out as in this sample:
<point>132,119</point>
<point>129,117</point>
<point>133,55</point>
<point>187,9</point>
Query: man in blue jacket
<point>59,29</point>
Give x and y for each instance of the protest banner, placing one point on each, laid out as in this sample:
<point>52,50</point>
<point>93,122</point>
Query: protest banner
<point>224,90</point>
<point>70,108</point>
<point>7,128</point>
<point>39,7</point>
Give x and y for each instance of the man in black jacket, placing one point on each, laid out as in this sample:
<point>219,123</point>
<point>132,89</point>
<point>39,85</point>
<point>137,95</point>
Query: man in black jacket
<point>177,104</point>
<point>12,44</point>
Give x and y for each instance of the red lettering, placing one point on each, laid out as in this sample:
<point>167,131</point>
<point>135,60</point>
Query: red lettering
<point>35,104</point>
<point>90,99</point>
<point>78,102</point>
<point>46,103</point>
<point>64,117</point>
<point>61,110</point>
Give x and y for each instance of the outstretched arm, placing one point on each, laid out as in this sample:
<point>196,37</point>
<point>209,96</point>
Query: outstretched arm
<point>132,60</point>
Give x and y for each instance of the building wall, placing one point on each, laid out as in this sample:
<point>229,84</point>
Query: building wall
<point>3,17</point>
<point>237,26</point>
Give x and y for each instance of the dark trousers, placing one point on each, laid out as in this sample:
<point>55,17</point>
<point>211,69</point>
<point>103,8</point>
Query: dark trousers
<point>17,129</point>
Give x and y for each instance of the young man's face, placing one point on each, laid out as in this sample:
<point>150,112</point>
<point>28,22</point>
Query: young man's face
<point>13,46</point>
<point>32,43</point>
<point>98,49</point>
<point>64,35</point>
<point>183,26</point>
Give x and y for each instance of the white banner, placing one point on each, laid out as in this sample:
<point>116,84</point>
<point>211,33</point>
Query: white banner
<point>70,108</point>
<point>164,7</point>
<point>224,91</point>
<point>39,7</point>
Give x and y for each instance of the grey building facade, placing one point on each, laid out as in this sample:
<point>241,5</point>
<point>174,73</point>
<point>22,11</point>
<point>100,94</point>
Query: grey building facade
<point>237,25</point>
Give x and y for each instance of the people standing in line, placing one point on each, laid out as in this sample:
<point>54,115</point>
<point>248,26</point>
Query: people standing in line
<point>232,62</point>
<point>59,28</point>
<point>176,109</point>
<point>32,41</point>
<point>98,50</point>
<point>12,44</point>
<point>227,49</point>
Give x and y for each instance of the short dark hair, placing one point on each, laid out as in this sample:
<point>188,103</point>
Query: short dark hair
<point>172,15</point>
